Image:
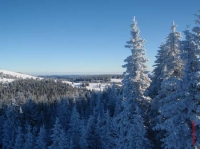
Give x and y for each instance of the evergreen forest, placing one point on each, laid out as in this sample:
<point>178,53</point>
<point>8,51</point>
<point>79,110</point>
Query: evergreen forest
<point>156,111</point>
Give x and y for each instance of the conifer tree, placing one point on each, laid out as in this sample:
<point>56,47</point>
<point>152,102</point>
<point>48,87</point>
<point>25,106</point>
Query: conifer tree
<point>10,127</point>
<point>196,29</point>
<point>29,138</point>
<point>92,136</point>
<point>192,79</point>
<point>118,105</point>
<point>112,99</point>
<point>106,132</point>
<point>30,112</point>
<point>158,72</point>
<point>130,121</point>
<point>180,108</point>
<point>64,143</point>
<point>41,140</point>
<point>83,142</point>
<point>135,76</point>
<point>75,128</point>
<point>173,65</point>
<point>168,70</point>
<point>168,75</point>
<point>99,107</point>
<point>59,138</point>
<point>19,141</point>
<point>63,113</point>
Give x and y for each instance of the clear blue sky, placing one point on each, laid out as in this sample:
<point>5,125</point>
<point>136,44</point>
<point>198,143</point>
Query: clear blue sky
<point>83,36</point>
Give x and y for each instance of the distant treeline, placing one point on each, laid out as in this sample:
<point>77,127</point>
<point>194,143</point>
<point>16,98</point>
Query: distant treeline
<point>86,78</point>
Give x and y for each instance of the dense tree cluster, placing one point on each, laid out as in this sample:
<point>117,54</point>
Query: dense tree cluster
<point>64,122</point>
<point>38,90</point>
<point>144,113</point>
<point>86,78</point>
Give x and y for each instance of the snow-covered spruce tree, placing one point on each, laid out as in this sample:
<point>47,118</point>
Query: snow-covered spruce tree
<point>92,136</point>
<point>136,80</point>
<point>168,69</point>
<point>10,126</point>
<point>63,113</point>
<point>173,64</point>
<point>191,101</point>
<point>105,131</point>
<point>153,91</point>
<point>118,106</point>
<point>74,132</point>
<point>19,141</point>
<point>187,47</point>
<point>29,138</point>
<point>169,66</point>
<point>41,139</point>
<point>169,79</point>
<point>158,72</point>
<point>132,133</point>
<point>83,136</point>
<point>112,99</point>
<point>30,112</point>
<point>99,107</point>
<point>64,143</point>
<point>180,108</point>
<point>59,138</point>
<point>173,43</point>
<point>196,29</point>
<point>2,112</point>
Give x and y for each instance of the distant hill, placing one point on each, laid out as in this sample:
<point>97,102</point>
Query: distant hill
<point>90,82</point>
<point>9,76</point>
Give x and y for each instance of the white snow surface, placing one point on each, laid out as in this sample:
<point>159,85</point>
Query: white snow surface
<point>92,86</point>
<point>116,80</point>
<point>67,82</point>
<point>97,86</point>
<point>15,75</point>
<point>5,80</point>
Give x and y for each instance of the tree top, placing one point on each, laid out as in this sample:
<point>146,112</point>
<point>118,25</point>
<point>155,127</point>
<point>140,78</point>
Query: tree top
<point>173,28</point>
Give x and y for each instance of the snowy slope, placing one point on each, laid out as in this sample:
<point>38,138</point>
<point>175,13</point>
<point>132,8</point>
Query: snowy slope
<point>92,86</point>
<point>98,86</point>
<point>9,76</point>
<point>116,80</point>
<point>95,86</point>
<point>4,80</point>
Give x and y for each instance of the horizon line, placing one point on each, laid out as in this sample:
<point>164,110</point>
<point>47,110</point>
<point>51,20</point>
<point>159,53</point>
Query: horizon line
<point>73,73</point>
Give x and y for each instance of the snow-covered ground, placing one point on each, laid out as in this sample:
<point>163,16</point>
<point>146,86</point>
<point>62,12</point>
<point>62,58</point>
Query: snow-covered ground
<point>9,76</point>
<point>92,86</point>
<point>6,80</point>
<point>17,74</point>
<point>116,80</point>
<point>95,86</point>
<point>67,82</point>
